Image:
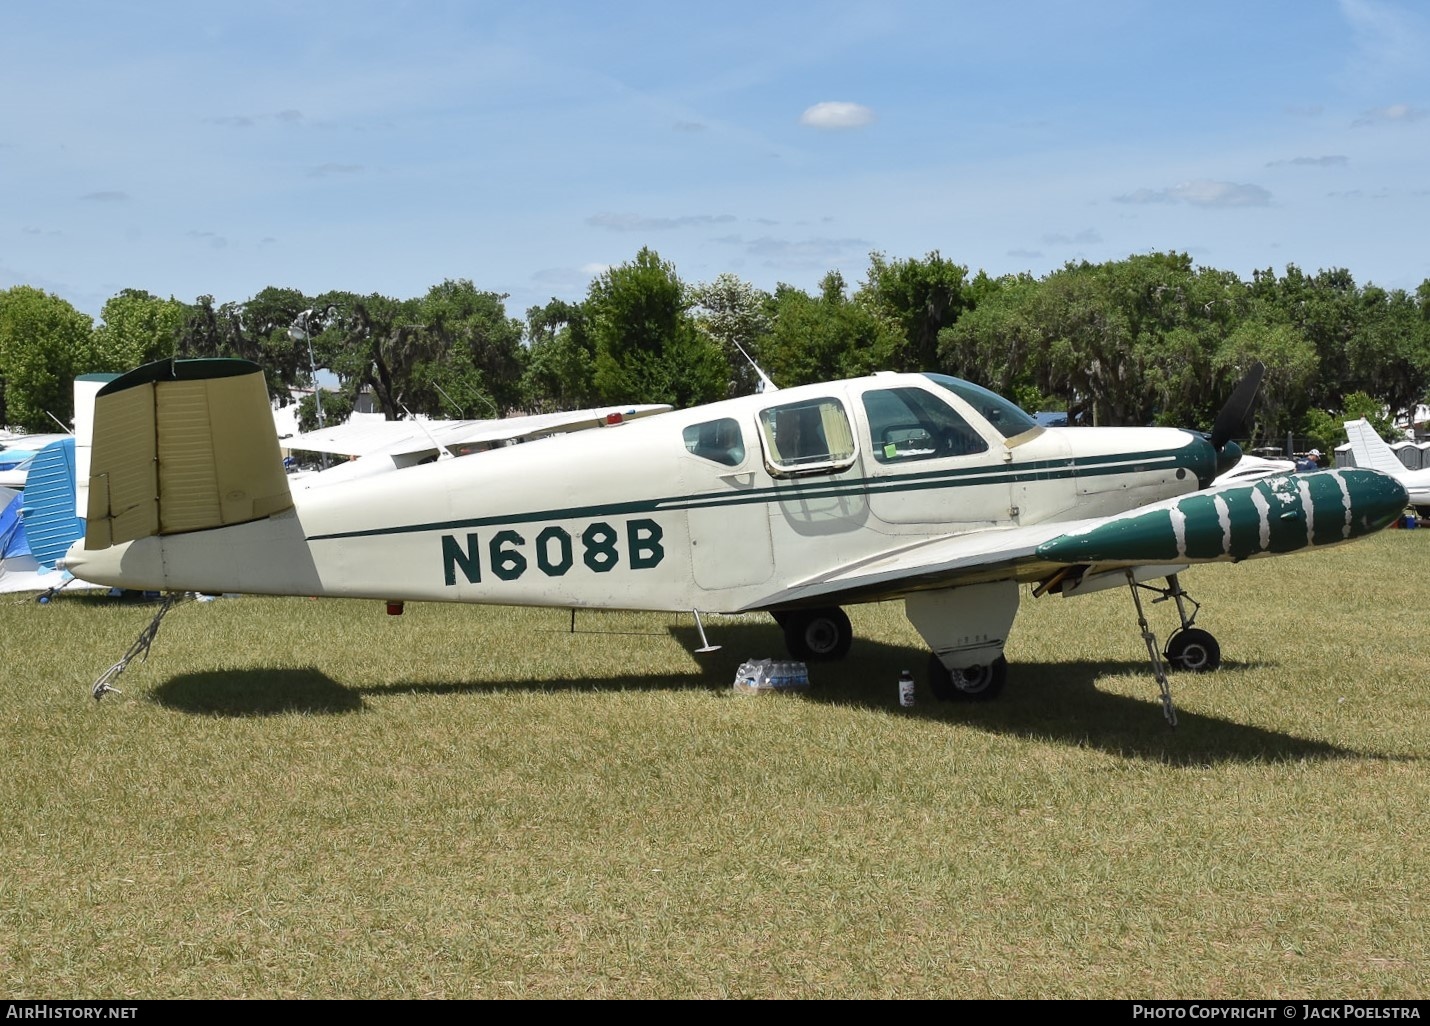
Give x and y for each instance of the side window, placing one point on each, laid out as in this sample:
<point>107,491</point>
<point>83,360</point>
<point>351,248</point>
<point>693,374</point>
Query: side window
<point>909,424</point>
<point>718,440</point>
<point>807,437</point>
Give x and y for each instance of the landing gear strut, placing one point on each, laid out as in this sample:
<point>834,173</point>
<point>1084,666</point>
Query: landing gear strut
<point>1189,648</point>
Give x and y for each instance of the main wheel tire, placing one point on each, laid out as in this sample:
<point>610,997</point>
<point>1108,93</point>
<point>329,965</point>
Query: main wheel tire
<point>818,635</point>
<point>972,684</point>
<point>1193,650</point>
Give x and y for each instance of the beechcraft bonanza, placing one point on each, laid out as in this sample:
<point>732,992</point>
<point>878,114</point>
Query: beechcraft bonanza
<point>917,487</point>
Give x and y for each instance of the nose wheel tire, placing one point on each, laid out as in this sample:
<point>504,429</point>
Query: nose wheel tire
<point>971,684</point>
<point>1193,650</point>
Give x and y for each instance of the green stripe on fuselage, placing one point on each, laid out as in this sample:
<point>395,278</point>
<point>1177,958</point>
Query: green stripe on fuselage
<point>800,490</point>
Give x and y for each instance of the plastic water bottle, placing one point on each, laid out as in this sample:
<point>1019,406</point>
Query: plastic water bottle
<point>906,689</point>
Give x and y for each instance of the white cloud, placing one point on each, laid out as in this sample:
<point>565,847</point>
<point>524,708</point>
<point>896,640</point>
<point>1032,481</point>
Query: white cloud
<point>1395,114</point>
<point>323,170</point>
<point>834,115</point>
<point>638,223</point>
<point>1202,193</point>
<point>1145,196</point>
<point>1328,161</point>
<point>1389,42</point>
<point>1084,237</point>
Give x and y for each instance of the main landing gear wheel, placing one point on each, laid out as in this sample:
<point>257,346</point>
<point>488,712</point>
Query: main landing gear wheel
<point>972,684</point>
<point>817,635</point>
<point>1193,649</point>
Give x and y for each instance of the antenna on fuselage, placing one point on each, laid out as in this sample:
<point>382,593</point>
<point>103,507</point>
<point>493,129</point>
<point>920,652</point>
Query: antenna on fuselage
<point>766,385</point>
<point>443,453</point>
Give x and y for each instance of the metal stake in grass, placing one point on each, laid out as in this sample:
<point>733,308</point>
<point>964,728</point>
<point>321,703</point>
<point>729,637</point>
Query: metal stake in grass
<point>141,644</point>
<point>1159,669</point>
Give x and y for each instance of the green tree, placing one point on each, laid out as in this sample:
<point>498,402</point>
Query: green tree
<point>260,330</point>
<point>561,361</point>
<point>200,333</point>
<point>736,316</point>
<point>1323,309</point>
<point>44,343</point>
<point>1325,430</point>
<point>647,348</point>
<point>375,343</point>
<point>137,328</point>
<point>1292,367</point>
<point>999,343</point>
<point>337,407</point>
<point>269,329</point>
<point>477,357</point>
<point>1389,352</point>
<point>923,297</point>
<point>818,338</point>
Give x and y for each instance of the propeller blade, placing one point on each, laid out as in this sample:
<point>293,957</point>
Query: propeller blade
<point>1233,415</point>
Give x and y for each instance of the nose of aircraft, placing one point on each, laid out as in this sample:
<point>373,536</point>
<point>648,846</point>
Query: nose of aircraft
<point>1376,500</point>
<point>1204,460</point>
<point>1228,456</point>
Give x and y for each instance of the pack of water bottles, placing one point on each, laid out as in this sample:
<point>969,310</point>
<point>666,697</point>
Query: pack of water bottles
<point>764,675</point>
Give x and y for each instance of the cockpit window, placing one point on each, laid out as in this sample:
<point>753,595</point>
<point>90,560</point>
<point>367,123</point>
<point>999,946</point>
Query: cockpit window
<point>1005,418</point>
<point>911,424</point>
<point>808,436</point>
<point>718,440</point>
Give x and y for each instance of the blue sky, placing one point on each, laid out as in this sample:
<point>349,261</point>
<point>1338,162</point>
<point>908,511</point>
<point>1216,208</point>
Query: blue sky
<point>218,148</point>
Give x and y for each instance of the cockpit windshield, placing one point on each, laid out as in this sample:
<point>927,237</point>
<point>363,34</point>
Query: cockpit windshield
<point>1005,418</point>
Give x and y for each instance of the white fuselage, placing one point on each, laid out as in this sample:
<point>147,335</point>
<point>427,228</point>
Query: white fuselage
<point>646,517</point>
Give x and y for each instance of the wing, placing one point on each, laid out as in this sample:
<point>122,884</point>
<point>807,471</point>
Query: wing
<point>489,433</point>
<point>360,434</point>
<point>1221,524</point>
<point>372,434</point>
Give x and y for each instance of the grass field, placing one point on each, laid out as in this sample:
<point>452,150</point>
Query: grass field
<point>312,799</point>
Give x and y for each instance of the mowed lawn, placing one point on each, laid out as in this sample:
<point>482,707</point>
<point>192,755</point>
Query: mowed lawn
<point>299,798</point>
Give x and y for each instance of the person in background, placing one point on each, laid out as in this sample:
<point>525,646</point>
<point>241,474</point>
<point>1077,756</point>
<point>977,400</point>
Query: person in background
<point>1310,461</point>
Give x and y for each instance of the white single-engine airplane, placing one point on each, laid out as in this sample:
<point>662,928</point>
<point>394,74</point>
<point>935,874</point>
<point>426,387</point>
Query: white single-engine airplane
<point>917,487</point>
<point>1371,450</point>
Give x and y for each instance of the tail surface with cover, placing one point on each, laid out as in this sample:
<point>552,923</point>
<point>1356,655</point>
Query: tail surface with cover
<point>183,446</point>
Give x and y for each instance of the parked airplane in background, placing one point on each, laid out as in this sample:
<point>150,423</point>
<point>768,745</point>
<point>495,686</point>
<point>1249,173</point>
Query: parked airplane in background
<point>917,487</point>
<point>1252,468</point>
<point>40,518</point>
<point>16,454</point>
<point>38,525</point>
<point>1371,451</point>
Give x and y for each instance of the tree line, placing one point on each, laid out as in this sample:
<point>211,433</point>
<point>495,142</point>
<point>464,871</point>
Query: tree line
<point>1151,339</point>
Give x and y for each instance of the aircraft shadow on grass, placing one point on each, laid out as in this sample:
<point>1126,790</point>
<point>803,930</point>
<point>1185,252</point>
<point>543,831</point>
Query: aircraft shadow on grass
<point>1057,702</point>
